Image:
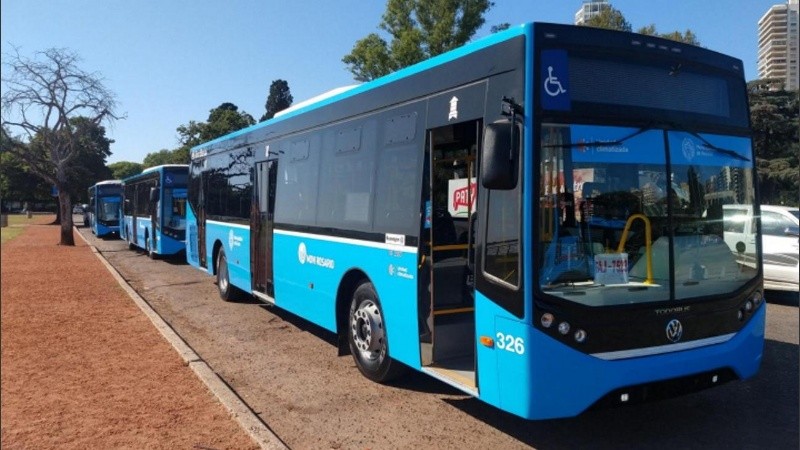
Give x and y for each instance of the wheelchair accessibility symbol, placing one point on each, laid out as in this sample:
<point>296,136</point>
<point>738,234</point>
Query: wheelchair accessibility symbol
<point>551,84</point>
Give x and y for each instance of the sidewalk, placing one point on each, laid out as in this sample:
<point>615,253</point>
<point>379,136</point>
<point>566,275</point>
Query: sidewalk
<point>83,367</point>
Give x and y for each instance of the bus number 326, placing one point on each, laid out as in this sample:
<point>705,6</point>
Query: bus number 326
<point>510,343</point>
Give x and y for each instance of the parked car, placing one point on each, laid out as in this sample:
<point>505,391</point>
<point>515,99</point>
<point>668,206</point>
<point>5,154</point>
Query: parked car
<point>780,241</point>
<point>77,209</point>
<point>86,217</point>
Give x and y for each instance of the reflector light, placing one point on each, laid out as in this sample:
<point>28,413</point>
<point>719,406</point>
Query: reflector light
<point>487,341</point>
<point>714,379</point>
<point>624,397</point>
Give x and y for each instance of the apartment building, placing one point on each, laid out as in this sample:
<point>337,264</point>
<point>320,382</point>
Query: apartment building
<point>590,8</point>
<point>778,44</point>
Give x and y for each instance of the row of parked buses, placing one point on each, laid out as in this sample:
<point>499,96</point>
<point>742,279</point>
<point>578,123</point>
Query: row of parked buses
<point>534,219</point>
<point>147,210</point>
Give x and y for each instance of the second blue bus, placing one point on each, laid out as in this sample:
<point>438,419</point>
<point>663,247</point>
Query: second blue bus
<point>104,207</point>
<point>154,210</point>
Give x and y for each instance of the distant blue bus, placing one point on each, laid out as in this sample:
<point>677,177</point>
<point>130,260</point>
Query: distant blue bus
<point>535,218</point>
<point>104,207</point>
<point>154,210</point>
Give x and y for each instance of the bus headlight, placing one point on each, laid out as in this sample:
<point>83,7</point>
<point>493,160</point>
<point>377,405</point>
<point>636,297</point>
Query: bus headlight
<point>757,298</point>
<point>580,336</point>
<point>547,320</point>
<point>563,328</point>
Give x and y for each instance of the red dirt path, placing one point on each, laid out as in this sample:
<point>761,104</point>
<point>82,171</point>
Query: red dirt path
<point>82,367</point>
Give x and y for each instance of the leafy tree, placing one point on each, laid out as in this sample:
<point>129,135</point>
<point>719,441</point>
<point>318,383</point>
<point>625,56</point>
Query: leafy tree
<point>89,165</point>
<point>279,99</point>
<point>419,29</point>
<point>774,117</point>
<point>42,96</point>
<point>502,27</point>
<point>609,18</point>
<point>164,156</point>
<point>124,169</point>
<point>687,37</point>
<point>613,19</point>
<point>16,180</point>
<point>225,118</point>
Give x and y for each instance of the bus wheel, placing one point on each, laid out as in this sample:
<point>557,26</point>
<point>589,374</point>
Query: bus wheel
<point>367,336</point>
<point>227,291</point>
<point>148,245</point>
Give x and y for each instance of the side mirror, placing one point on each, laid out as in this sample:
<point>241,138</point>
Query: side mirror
<point>500,156</point>
<point>153,195</point>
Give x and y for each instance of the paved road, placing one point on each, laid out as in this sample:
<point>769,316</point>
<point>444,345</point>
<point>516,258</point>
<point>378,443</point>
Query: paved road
<point>287,370</point>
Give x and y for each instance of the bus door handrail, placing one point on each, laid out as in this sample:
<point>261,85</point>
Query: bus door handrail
<point>648,239</point>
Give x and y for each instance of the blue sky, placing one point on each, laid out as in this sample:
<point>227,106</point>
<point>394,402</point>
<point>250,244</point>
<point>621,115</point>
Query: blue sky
<point>172,61</point>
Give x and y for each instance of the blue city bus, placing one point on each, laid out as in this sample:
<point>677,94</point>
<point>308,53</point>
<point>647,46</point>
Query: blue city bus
<point>534,218</point>
<point>104,207</point>
<point>154,209</point>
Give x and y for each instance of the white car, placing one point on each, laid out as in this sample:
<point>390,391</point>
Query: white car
<point>781,246</point>
<point>779,241</point>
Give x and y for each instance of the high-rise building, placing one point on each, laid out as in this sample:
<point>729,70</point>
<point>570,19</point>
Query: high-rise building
<point>589,9</point>
<point>778,44</point>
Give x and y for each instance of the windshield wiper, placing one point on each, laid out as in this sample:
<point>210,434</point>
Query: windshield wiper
<point>713,147</point>
<point>615,143</point>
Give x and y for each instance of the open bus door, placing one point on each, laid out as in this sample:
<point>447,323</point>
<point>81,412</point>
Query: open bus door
<point>447,313</point>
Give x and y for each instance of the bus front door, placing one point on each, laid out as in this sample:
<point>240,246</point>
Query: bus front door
<point>261,225</point>
<point>450,233</point>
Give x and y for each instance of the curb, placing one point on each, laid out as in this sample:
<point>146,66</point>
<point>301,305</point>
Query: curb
<point>237,408</point>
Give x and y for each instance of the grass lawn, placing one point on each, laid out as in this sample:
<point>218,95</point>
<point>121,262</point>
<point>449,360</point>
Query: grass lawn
<point>16,222</point>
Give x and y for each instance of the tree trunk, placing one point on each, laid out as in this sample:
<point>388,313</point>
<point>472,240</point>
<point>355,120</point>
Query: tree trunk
<point>65,209</point>
<point>57,221</point>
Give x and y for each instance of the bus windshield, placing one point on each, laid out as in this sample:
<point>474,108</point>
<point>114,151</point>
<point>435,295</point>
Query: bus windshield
<point>630,215</point>
<point>175,208</point>
<point>108,208</point>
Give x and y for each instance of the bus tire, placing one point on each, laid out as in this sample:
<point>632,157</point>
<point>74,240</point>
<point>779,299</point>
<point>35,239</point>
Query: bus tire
<point>366,334</point>
<point>227,291</point>
<point>148,247</point>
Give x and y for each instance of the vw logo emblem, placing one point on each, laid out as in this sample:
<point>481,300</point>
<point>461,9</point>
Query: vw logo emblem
<point>674,330</point>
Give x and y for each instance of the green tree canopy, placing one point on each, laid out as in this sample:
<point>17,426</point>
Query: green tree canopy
<point>279,98</point>
<point>225,118</point>
<point>612,19</point>
<point>419,29</point>
<point>687,37</point>
<point>609,18</point>
<point>177,156</point>
<point>124,169</point>
<point>17,183</point>
<point>775,121</point>
<point>89,165</point>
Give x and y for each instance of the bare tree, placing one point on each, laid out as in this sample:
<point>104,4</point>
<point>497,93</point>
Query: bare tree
<point>41,96</point>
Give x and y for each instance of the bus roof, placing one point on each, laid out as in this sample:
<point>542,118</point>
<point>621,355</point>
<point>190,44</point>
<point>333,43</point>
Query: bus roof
<point>154,169</point>
<point>566,33</point>
<point>350,91</point>
<point>106,182</point>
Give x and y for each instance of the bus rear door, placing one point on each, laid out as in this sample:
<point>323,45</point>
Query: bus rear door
<point>261,225</point>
